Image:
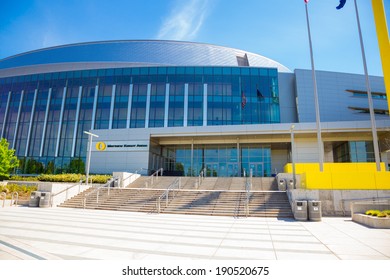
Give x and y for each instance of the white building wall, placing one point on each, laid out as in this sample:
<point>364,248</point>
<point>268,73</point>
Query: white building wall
<point>120,160</point>
<point>306,150</point>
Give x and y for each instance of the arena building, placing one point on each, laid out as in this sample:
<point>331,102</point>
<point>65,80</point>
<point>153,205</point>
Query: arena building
<point>180,106</point>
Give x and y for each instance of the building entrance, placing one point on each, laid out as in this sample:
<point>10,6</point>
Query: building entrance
<point>219,160</point>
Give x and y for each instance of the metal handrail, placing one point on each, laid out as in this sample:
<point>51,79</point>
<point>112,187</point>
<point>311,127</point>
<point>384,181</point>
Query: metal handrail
<point>152,177</point>
<point>17,198</point>
<point>5,196</point>
<point>248,188</point>
<point>97,190</point>
<point>66,190</point>
<point>175,185</point>
<point>201,176</point>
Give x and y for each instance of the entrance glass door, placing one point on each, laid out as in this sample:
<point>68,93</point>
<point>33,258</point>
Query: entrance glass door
<point>257,169</point>
<point>212,169</point>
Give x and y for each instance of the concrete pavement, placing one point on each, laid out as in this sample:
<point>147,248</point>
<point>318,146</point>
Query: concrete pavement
<point>60,233</point>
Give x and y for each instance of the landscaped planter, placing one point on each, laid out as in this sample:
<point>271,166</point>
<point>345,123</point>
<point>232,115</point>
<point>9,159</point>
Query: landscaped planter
<point>371,221</point>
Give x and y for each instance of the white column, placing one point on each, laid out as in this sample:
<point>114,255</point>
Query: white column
<point>5,115</point>
<point>185,118</point>
<point>112,106</point>
<point>94,107</point>
<point>204,104</point>
<point>166,111</point>
<point>76,121</point>
<point>45,122</point>
<point>31,121</point>
<point>60,123</point>
<point>17,119</point>
<point>147,111</point>
<point>129,106</point>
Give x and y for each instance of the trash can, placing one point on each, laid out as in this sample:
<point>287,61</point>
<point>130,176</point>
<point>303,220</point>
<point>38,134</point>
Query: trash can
<point>44,200</point>
<point>315,213</point>
<point>300,210</point>
<point>34,199</point>
<point>282,185</point>
<point>291,183</point>
<point>116,183</point>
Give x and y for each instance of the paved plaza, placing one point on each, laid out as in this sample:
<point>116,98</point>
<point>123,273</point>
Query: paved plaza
<point>60,233</point>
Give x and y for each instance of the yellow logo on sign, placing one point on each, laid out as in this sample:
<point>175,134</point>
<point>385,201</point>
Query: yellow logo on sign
<point>101,146</point>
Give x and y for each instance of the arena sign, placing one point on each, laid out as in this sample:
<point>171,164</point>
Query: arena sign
<point>121,146</point>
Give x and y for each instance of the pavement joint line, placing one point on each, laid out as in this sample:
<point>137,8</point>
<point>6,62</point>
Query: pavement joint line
<point>152,227</point>
<point>132,223</point>
<point>359,241</point>
<point>272,242</point>
<point>21,250</point>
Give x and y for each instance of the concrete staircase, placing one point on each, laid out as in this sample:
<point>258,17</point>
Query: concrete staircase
<point>215,196</point>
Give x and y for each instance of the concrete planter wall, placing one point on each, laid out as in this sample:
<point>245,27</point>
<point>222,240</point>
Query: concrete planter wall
<point>338,202</point>
<point>371,221</point>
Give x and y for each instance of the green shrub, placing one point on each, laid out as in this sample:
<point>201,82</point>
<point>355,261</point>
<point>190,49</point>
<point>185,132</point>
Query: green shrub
<point>20,178</point>
<point>72,178</point>
<point>68,178</point>
<point>22,190</point>
<point>372,212</point>
<point>99,179</point>
<point>386,212</point>
<point>381,215</point>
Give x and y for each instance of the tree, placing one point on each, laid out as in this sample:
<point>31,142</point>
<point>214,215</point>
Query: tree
<point>8,160</point>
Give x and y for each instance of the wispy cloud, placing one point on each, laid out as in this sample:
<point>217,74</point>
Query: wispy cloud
<point>185,20</point>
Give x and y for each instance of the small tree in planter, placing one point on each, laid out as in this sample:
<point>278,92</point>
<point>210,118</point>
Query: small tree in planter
<point>8,160</point>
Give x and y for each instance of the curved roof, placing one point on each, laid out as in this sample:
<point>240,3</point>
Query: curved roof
<point>134,53</point>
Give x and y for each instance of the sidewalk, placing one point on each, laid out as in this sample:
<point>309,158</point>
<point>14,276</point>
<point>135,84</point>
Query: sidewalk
<point>60,233</point>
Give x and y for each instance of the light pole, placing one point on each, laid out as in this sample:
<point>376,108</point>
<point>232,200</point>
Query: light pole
<point>370,104</point>
<point>90,135</point>
<point>292,155</point>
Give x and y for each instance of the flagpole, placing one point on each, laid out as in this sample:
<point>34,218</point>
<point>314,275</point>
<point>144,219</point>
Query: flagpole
<point>317,107</point>
<point>370,105</point>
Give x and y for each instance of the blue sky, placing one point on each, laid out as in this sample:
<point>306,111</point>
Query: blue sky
<point>272,28</point>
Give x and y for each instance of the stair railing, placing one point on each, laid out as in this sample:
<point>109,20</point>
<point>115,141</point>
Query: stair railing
<point>154,178</point>
<point>201,176</point>
<point>176,185</point>
<point>14,194</point>
<point>4,195</point>
<point>248,187</point>
<point>97,191</point>
<point>66,190</point>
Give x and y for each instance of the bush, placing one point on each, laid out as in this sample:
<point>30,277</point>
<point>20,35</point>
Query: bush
<point>20,178</point>
<point>378,213</point>
<point>387,212</point>
<point>372,212</point>
<point>72,178</point>
<point>381,215</point>
<point>64,178</point>
<point>23,191</point>
<point>99,179</point>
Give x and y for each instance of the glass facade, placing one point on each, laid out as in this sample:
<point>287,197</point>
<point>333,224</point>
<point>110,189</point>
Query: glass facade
<point>43,116</point>
<point>354,151</point>
<point>219,160</point>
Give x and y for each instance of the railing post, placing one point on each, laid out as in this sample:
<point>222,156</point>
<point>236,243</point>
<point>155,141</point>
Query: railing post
<point>5,196</point>
<point>84,202</point>
<point>167,198</point>
<point>158,205</point>
<point>97,196</point>
<point>16,200</point>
